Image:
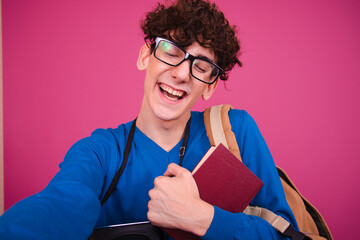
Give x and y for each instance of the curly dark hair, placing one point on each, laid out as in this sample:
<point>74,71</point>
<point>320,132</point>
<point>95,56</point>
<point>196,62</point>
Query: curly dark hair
<point>186,21</point>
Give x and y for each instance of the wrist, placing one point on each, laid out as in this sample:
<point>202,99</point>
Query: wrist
<point>202,221</point>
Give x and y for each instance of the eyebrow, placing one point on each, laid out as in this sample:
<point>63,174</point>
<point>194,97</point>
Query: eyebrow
<point>203,57</point>
<point>199,56</point>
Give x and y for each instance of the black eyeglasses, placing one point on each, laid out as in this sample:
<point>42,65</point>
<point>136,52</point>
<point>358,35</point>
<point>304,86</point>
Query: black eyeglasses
<point>172,54</point>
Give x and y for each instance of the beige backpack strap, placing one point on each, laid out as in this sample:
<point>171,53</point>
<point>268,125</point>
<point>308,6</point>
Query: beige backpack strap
<point>218,128</point>
<point>278,222</point>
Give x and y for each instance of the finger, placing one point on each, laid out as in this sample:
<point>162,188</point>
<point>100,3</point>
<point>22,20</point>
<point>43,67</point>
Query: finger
<point>152,193</point>
<point>173,170</point>
<point>151,215</point>
<point>158,181</point>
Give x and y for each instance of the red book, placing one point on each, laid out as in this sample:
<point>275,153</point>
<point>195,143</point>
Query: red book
<point>223,181</point>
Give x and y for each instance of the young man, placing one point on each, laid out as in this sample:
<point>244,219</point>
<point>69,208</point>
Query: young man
<point>189,47</point>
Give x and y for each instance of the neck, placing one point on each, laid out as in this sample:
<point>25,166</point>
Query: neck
<point>165,133</point>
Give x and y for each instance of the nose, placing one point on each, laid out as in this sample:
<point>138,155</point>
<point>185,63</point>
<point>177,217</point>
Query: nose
<point>182,71</point>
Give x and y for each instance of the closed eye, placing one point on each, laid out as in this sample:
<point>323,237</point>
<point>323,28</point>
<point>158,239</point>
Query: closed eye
<point>171,55</point>
<point>198,68</point>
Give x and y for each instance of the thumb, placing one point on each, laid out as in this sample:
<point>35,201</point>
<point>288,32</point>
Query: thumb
<point>173,170</point>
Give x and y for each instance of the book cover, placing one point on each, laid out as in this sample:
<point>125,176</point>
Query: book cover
<point>223,181</point>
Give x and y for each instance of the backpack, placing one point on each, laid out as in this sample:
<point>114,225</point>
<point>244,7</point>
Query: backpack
<point>311,223</point>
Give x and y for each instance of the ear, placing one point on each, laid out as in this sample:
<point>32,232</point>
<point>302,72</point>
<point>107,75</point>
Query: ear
<point>143,58</point>
<point>209,90</point>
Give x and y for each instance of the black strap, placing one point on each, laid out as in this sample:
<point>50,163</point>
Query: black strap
<point>184,143</point>
<point>115,180</point>
<point>295,235</point>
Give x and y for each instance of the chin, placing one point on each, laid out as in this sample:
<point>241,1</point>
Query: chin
<point>165,114</point>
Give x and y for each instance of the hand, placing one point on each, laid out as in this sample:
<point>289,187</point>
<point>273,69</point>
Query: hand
<point>175,202</point>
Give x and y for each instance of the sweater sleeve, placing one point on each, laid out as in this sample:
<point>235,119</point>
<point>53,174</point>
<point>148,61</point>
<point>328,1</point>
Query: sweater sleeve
<point>69,206</point>
<point>256,156</point>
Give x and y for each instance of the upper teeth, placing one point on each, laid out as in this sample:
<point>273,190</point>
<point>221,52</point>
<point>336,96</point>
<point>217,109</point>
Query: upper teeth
<point>172,91</point>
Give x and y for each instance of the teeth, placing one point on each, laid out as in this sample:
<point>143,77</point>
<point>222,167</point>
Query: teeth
<point>172,91</point>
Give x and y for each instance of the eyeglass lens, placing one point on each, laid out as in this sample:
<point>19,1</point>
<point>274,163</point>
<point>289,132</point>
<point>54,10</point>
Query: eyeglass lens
<point>173,55</point>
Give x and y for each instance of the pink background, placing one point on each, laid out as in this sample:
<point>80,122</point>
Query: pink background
<point>70,67</point>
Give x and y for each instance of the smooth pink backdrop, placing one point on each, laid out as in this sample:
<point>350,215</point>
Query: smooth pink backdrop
<point>70,67</point>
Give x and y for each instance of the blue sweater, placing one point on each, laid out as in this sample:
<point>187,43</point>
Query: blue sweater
<point>69,207</point>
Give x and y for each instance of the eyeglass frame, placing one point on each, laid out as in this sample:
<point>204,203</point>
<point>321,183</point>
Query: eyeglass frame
<point>192,58</point>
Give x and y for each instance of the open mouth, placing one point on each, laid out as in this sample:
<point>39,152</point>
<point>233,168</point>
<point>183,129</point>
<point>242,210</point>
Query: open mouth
<point>170,93</point>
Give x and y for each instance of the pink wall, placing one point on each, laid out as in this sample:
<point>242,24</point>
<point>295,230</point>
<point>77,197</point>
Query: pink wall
<point>69,67</point>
